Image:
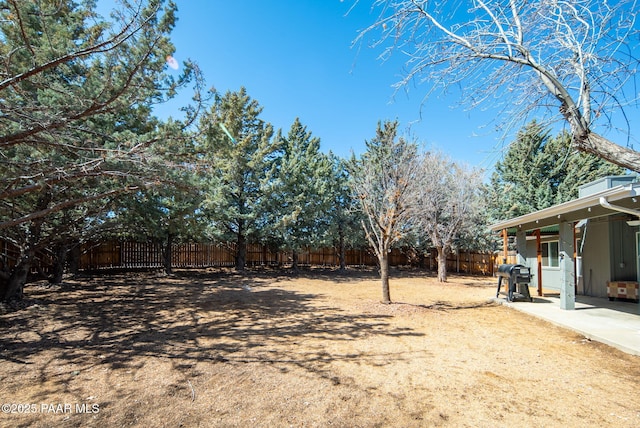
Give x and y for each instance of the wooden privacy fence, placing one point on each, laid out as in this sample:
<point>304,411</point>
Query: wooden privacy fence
<point>475,263</point>
<point>132,255</point>
<point>9,254</point>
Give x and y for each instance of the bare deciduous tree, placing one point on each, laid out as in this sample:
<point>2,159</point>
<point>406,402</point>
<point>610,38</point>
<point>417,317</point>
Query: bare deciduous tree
<point>384,182</point>
<point>448,203</point>
<point>578,55</point>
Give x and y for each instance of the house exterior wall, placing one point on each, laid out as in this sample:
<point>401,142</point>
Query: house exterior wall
<point>532,261</point>
<point>608,254</point>
<point>550,275</point>
<point>622,250</point>
<point>596,254</point>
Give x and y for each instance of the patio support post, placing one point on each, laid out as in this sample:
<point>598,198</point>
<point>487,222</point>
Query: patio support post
<point>567,276</point>
<point>505,245</point>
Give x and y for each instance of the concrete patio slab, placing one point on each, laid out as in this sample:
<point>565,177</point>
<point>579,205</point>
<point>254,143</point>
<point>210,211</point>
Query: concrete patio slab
<point>615,323</point>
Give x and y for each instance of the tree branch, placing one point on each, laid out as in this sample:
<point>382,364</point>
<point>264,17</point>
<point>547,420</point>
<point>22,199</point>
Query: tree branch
<point>62,205</point>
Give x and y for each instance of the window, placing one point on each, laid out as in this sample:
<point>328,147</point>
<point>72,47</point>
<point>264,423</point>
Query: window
<point>550,254</point>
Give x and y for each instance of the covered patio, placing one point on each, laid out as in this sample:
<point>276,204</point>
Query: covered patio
<point>607,249</point>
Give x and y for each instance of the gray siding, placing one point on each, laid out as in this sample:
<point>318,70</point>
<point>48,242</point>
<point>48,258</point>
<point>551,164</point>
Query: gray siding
<point>596,267</point>
<point>608,254</point>
<point>550,275</point>
<point>622,250</point>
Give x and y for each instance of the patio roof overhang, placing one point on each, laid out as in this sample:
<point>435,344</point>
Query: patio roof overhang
<point>587,207</point>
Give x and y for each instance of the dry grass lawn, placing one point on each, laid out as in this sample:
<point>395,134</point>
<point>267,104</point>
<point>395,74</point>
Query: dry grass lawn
<point>269,349</point>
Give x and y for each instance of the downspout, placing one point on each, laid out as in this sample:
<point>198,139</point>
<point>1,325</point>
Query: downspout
<point>606,204</point>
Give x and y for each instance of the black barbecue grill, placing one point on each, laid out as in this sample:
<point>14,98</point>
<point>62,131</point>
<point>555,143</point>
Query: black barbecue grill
<point>517,276</point>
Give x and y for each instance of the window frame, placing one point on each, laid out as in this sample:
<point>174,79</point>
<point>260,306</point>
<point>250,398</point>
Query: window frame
<point>550,260</point>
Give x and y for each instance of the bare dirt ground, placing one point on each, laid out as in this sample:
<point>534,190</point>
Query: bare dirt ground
<point>269,349</point>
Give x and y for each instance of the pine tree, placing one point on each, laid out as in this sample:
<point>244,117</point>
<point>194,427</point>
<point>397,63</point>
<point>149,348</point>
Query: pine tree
<point>76,122</point>
<point>575,168</point>
<point>236,151</point>
<point>519,176</point>
<point>298,190</point>
<point>539,170</point>
<point>165,215</point>
<point>345,219</point>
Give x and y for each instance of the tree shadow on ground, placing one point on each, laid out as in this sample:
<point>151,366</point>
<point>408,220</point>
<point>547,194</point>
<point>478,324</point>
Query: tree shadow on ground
<point>118,321</point>
<point>448,306</point>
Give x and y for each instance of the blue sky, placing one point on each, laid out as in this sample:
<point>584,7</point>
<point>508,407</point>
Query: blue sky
<point>297,59</point>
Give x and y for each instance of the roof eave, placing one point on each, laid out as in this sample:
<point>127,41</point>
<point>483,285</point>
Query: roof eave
<point>554,214</point>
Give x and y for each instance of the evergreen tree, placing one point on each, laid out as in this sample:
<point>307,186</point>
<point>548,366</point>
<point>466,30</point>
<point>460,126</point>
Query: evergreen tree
<point>298,191</point>
<point>575,168</point>
<point>165,215</point>
<point>539,171</point>
<point>171,212</point>
<point>76,100</point>
<point>519,176</point>
<point>345,219</point>
<point>236,151</point>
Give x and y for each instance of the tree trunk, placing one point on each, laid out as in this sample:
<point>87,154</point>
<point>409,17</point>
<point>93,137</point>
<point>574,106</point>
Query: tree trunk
<point>12,287</point>
<point>294,261</point>
<point>241,250</point>
<point>168,254</point>
<point>384,277</point>
<point>587,141</point>
<point>421,259</point>
<point>74,259</point>
<point>59,262</point>
<point>341,249</point>
<point>442,264</point>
